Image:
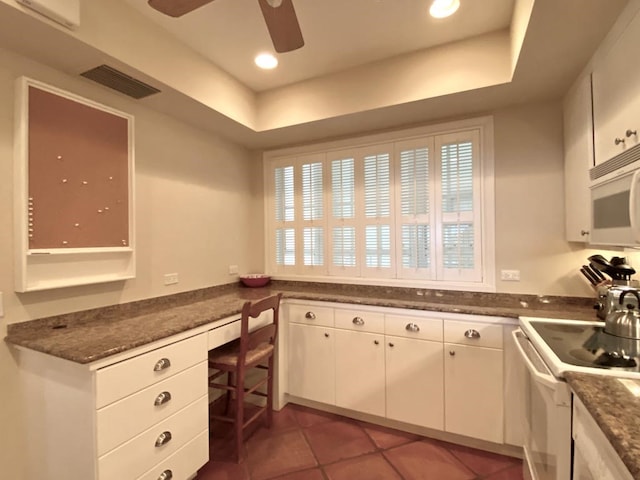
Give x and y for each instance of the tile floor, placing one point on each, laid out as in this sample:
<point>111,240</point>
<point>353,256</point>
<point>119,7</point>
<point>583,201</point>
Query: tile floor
<point>306,444</point>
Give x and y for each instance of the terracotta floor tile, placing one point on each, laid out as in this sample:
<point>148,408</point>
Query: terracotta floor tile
<point>314,474</point>
<point>337,440</point>
<point>307,417</point>
<point>223,471</point>
<point>481,462</point>
<point>278,454</point>
<point>284,419</point>
<point>388,437</point>
<point>512,473</point>
<point>369,467</point>
<point>427,461</point>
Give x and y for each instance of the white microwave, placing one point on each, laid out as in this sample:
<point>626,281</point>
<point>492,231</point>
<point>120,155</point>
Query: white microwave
<point>615,208</point>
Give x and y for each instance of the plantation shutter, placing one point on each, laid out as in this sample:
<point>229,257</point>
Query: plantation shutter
<point>459,207</point>
<point>312,215</point>
<point>414,213</point>
<point>343,215</point>
<point>378,254</point>
<point>284,206</point>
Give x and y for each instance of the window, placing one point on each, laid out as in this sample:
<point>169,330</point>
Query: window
<point>417,207</point>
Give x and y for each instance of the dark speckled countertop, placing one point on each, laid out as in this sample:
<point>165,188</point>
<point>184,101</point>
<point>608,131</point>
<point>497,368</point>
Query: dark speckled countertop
<point>91,335</point>
<point>616,411</point>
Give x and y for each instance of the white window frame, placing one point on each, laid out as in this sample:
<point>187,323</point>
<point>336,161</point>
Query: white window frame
<point>484,187</point>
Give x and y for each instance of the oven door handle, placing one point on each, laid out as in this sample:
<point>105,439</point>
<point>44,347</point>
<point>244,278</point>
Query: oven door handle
<point>545,378</point>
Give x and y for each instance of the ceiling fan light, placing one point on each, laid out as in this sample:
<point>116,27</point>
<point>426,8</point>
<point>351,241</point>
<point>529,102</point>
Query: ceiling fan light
<point>443,8</point>
<point>266,61</point>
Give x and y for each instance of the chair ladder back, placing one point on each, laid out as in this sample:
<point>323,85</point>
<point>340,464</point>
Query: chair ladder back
<point>267,333</point>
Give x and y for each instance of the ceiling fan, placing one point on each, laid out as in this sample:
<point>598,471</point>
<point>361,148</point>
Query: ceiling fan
<point>279,15</point>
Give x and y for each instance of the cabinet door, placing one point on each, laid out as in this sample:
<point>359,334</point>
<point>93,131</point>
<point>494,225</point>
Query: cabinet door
<point>311,363</point>
<point>578,159</point>
<point>616,95</point>
<point>414,381</point>
<point>360,371</point>
<point>473,392</point>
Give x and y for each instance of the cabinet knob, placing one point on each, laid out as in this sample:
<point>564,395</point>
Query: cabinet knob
<point>326,335</point>
<point>412,327</point>
<point>358,321</point>
<point>376,342</point>
<point>162,398</point>
<point>452,353</point>
<point>310,316</point>
<point>584,233</point>
<point>472,333</point>
<point>163,439</point>
<point>391,344</point>
<point>630,132</point>
<point>162,364</point>
<point>166,475</point>
<point>618,141</point>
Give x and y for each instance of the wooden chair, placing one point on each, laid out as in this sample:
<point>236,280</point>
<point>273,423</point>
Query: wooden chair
<point>254,349</point>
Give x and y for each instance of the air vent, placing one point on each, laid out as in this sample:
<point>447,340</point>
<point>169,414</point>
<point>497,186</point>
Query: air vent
<point>123,83</point>
<point>621,160</point>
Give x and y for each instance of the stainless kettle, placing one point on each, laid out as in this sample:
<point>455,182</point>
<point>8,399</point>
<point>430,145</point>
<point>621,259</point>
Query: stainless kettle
<point>625,321</point>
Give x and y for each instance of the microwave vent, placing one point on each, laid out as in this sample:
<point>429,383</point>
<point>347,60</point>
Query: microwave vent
<point>123,83</point>
<point>621,160</point>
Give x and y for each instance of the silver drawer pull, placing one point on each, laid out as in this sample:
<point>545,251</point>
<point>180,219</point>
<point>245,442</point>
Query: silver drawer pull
<point>162,364</point>
<point>163,439</point>
<point>310,316</point>
<point>472,333</point>
<point>412,327</point>
<point>162,398</point>
<point>358,321</point>
<point>166,475</point>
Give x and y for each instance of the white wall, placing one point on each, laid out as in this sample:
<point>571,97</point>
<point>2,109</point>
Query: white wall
<point>198,209</point>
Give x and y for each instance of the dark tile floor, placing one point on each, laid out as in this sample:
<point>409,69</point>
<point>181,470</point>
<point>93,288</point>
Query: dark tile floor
<point>306,444</point>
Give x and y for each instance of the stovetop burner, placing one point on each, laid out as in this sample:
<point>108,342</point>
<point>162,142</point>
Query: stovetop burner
<point>588,345</point>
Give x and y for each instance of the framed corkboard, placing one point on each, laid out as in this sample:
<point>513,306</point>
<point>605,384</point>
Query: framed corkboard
<point>74,190</point>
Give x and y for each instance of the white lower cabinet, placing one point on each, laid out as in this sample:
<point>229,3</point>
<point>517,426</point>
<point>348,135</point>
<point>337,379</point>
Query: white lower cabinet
<point>414,368</point>
<point>360,371</point>
<point>312,362</point>
<point>414,382</point>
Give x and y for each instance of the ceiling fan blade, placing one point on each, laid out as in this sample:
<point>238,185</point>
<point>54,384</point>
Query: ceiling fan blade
<point>283,26</point>
<point>177,8</point>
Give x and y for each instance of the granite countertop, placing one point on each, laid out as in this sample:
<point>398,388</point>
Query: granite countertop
<point>91,335</point>
<point>616,411</point>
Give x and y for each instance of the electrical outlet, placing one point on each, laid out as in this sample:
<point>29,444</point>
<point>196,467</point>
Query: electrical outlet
<point>233,269</point>
<point>510,275</point>
<point>170,278</point>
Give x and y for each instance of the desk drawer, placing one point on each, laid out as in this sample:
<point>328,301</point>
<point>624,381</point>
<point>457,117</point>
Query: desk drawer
<point>126,418</point>
<point>127,377</point>
<point>185,462</point>
<point>486,334</point>
<point>139,454</point>
<point>311,315</point>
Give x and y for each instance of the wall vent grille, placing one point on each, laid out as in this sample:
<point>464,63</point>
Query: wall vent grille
<point>123,83</point>
<point>621,160</point>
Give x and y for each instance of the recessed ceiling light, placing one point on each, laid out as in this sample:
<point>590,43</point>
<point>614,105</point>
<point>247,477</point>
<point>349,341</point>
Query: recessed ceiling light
<point>266,61</point>
<point>443,8</point>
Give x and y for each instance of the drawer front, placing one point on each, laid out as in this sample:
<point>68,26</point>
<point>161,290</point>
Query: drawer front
<point>359,321</point>
<point>473,333</point>
<point>229,332</point>
<point>184,463</point>
<point>413,327</point>
<point>138,455</point>
<point>122,379</point>
<point>126,418</point>
<point>311,315</point>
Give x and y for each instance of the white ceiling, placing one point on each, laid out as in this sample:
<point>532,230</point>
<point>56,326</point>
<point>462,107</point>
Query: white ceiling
<point>338,34</point>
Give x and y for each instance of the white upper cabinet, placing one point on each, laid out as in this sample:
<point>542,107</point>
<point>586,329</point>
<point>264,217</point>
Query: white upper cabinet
<point>578,159</point>
<point>616,93</point>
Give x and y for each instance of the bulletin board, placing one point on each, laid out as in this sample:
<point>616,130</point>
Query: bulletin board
<point>74,190</point>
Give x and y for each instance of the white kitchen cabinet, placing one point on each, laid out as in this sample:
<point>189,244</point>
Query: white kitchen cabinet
<point>473,380</point>
<point>144,411</point>
<point>360,371</point>
<point>311,364</point>
<point>414,382</point>
<point>578,159</point>
<point>616,94</point>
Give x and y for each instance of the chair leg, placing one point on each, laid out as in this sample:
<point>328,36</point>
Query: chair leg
<point>227,403</point>
<point>270,392</point>
<point>239,421</point>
